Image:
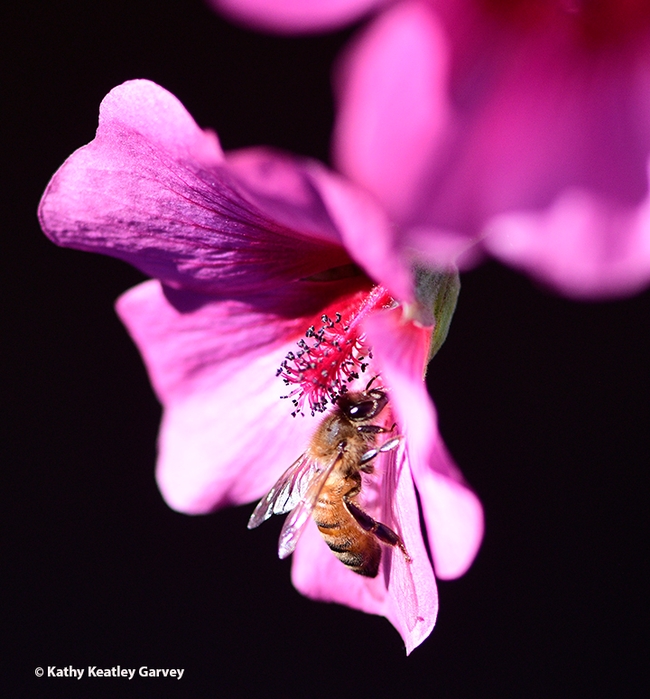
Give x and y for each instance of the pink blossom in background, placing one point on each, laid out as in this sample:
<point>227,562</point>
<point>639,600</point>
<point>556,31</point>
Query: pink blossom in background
<point>520,127</point>
<point>248,250</point>
<point>295,16</point>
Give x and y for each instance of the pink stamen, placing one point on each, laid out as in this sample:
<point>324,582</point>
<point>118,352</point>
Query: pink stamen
<point>330,358</point>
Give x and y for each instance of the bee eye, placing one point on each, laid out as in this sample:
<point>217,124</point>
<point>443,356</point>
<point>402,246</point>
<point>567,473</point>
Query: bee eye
<point>363,410</point>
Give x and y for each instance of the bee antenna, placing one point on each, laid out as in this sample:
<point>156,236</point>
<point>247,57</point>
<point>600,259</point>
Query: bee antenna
<point>372,380</point>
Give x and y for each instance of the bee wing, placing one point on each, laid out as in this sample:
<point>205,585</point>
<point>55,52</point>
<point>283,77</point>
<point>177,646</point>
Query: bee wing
<point>296,521</point>
<point>288,491</point>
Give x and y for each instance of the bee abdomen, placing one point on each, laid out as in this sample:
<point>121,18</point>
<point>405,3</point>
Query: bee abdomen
<point>362,562</point>
<point>362,557</point>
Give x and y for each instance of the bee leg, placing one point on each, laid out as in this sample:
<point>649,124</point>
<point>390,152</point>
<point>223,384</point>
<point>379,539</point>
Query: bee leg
<point>391,444</point>
<point>375,429</point>
<point>365,458</point>
<point>371,429</point>
<point>372,453</point>
<point>365,464</point>
<point>381,531</point>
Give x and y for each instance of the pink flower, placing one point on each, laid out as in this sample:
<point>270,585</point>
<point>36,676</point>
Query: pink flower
<point>250,250</point>
<point>289,16</point>
<point>520,125</point>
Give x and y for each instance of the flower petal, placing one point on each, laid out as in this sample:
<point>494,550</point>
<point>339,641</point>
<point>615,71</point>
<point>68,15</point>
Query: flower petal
<point>226,436</point>
<point>551,168</point>
<point>583,245</point>
<point>294,16</point>
<point>413,597</point>
<point>452,512</point>
<point>316,573</point>
<point>304,195</point>
<point>206,358</point>
<point>534,125</point>
<point>392,105</point>
<point>403,592</point>
<point>367,233</point>
<point>537,113</point>
<point>155,190</point>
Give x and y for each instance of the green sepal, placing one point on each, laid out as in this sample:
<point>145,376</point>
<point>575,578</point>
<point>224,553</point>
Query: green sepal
<point>436,295</point>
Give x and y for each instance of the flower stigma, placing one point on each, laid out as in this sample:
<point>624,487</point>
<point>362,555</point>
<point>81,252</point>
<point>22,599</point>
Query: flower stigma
<point>332,356</point>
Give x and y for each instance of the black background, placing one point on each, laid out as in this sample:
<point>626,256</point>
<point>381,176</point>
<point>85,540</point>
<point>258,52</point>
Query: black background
<point>542,401</point>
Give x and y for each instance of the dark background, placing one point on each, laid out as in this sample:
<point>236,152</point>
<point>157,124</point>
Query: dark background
<point>542,401</point>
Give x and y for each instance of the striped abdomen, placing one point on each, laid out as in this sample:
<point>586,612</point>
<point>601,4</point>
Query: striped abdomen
<point>359,550</point>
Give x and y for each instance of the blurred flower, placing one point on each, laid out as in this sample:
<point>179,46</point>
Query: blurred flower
<point>518,126</point>
<point>250,250</point>
<point>295,16</point>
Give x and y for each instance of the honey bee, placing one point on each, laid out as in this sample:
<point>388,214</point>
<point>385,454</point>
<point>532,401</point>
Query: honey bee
<point>325,481</point>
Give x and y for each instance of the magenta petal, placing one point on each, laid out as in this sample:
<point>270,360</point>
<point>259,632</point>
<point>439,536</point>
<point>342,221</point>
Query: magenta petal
<point>583,245</point>
<point>537,136</point>
<point>367,233</point>
<point>155,190</point>
<point>452,512</point>
<point>291,191</point>
<point>144,108</point>
<point>294,16</point>
<point>303,195</point>
<point>316,573</point>
<point>403,592</point>
<point>393,105</point>
<point>413,597</point>
<point>226,436</point>
<point>537,112</point>
<point>552,162</point>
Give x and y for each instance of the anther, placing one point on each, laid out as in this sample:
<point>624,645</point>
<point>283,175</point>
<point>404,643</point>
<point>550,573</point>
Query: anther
<point>330,357</point>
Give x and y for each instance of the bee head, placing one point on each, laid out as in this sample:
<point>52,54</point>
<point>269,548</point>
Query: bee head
<point>365,405</point>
